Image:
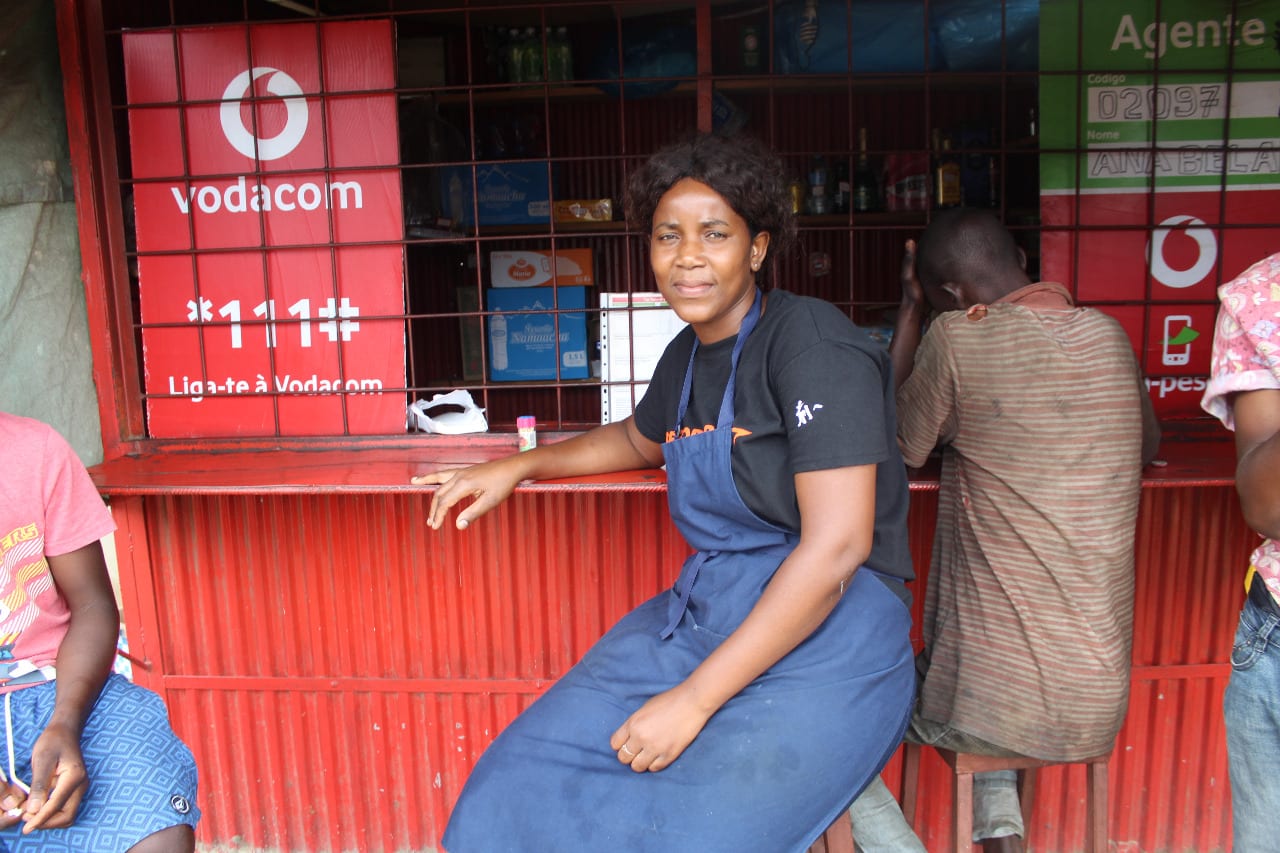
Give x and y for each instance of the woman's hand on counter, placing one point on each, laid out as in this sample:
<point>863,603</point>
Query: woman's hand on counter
<point>489,483</point>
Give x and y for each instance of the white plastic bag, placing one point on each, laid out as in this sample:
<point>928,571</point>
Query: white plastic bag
<point>454,413</point>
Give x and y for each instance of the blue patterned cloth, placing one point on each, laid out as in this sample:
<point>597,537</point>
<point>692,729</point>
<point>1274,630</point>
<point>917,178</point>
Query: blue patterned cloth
<point>142,778</point>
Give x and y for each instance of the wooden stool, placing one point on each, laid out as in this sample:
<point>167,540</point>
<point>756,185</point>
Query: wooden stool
<point>838,838</point>
<point>964,765</point>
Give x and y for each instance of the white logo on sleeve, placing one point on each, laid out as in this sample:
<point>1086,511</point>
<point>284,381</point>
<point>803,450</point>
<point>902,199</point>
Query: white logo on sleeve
<point>805,412</point>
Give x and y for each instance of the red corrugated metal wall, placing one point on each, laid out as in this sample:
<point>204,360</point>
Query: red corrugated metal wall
<point>337,667</point>
<point>334,651</point>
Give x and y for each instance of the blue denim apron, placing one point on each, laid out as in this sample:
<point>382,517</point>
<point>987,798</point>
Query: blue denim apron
<point>771,769</point>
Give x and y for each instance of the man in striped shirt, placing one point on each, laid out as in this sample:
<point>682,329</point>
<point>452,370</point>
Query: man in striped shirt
<point>1044,424</point>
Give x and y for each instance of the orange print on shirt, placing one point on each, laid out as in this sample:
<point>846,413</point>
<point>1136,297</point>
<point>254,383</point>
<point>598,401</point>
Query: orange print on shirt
<point>685,432</point>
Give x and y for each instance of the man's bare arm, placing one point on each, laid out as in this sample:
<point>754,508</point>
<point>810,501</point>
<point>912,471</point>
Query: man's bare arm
<point>1257,417</point>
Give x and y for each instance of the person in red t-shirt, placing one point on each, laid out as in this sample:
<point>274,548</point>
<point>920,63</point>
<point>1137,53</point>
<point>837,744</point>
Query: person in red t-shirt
<point>89,759</point>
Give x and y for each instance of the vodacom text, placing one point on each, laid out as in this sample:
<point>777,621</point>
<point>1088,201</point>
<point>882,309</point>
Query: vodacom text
<point>241,197</point>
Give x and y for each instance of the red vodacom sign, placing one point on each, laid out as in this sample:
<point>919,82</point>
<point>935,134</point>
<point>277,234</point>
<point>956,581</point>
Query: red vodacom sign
<point>268,218</point>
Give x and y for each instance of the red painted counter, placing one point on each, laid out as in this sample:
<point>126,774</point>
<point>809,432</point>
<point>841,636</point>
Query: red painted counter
<point>337,667</point>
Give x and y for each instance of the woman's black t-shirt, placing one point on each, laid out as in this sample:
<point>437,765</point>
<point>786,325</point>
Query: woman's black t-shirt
<point>813,392</point>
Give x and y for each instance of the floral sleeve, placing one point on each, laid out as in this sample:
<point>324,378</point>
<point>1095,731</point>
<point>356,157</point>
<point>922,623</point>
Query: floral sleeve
<point>1246,342</point>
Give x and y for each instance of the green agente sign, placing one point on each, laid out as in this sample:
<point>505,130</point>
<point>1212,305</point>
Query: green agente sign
<point>1186,98</point>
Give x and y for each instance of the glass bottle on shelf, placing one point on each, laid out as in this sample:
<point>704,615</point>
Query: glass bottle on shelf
<point>866,192</point>
<point>946,173</point>
<point>555,71</point>
<point>842,187</point>
<point>532,56</point>
<point>750,49</point>
<point>498,341</point>
<point>819,201</point>
<point>559,55</point>
<point>515,56</point>
<point>797,195</point>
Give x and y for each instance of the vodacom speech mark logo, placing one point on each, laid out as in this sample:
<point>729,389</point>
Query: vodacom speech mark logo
<point>241,138</point>
<point>1206,252</point>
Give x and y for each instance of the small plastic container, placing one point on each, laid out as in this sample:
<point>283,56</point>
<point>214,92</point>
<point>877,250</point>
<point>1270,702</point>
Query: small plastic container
<point>527,427</point>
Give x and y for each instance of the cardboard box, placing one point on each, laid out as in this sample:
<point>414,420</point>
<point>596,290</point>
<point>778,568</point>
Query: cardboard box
<point>524,347</point>
<point>634,332</point>
<point>583,210</point>
<point>509,193</point>
<point>529,268</point>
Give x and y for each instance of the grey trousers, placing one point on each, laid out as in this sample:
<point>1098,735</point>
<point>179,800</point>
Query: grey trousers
<point>880,827</point>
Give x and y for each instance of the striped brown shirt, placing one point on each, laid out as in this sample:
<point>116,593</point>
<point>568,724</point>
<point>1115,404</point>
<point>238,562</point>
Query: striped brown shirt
<point>1029,608</point>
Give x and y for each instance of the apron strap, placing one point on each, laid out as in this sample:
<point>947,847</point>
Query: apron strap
<point>725,418</point>
<point>723,422</point>
<point>691,575</point>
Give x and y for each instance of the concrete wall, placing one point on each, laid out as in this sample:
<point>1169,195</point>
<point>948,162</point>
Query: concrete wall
<point>45,361</point>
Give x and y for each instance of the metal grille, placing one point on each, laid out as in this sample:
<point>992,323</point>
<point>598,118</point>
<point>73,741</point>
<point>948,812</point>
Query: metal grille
<point>465,109</point>
<point>572,95</point>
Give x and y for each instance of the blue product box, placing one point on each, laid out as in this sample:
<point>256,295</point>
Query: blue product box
<point>510,193</point>
<point>523,347</point>
<point>813,38</point>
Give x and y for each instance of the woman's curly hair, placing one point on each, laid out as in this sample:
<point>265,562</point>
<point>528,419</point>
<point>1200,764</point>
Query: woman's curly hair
<point>749,176</point>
